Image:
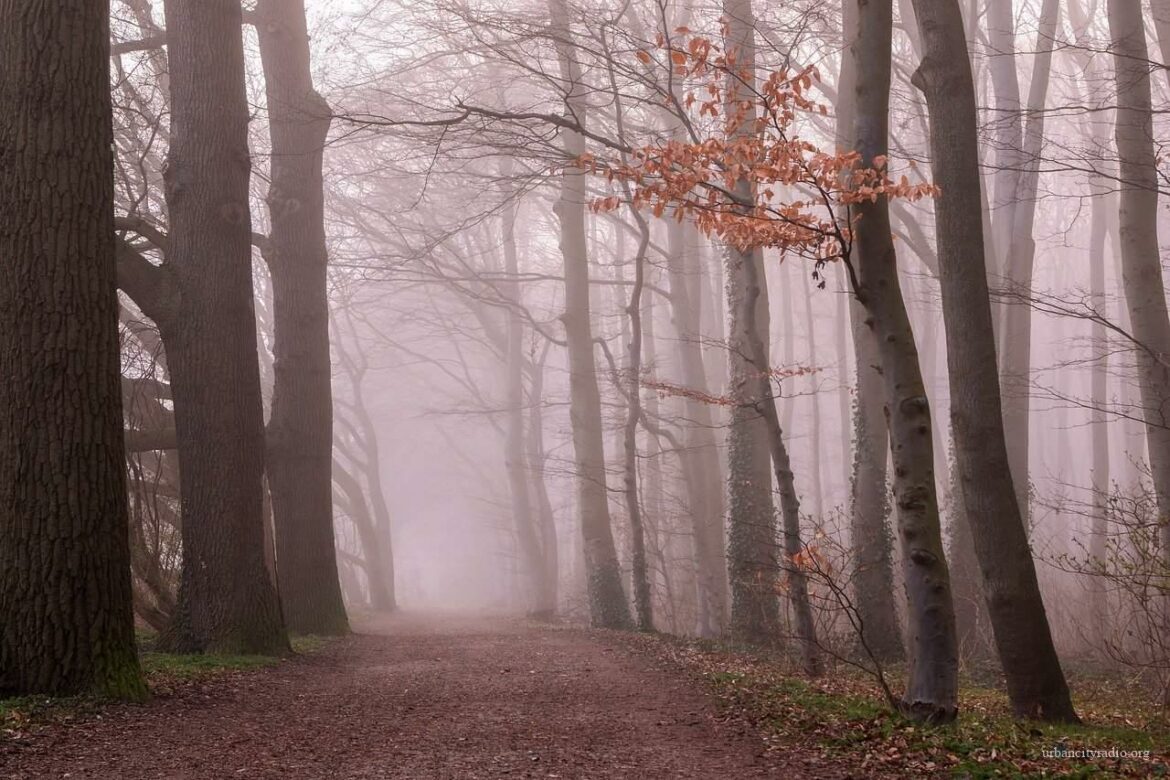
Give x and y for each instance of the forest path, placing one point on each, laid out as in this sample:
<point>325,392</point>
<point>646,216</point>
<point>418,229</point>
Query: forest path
<point>415,697</point>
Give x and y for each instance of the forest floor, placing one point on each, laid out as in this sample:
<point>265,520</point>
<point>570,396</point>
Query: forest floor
<point>410,697</point>
<point>455,697</point>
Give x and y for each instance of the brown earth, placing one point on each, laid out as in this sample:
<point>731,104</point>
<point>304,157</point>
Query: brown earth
<point>413,697</point>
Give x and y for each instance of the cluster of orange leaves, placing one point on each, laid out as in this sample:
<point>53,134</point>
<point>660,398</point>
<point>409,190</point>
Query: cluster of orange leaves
<point>795,194</point>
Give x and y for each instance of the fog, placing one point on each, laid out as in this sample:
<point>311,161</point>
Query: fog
<point>838,328</point>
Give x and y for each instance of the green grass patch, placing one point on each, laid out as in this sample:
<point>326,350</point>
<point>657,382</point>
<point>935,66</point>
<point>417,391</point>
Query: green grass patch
<point>196,666</point>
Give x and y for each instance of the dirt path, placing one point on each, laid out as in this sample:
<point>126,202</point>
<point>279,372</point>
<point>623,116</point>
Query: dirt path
<point>414,698</point>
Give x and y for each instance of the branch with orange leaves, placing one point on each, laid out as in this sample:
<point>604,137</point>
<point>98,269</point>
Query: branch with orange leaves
<point>697,180</point>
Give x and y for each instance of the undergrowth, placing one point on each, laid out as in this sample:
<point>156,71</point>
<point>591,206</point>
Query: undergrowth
<point>843,717</point>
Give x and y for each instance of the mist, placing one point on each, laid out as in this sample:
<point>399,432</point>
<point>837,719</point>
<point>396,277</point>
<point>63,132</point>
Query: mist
<point>793,343</point>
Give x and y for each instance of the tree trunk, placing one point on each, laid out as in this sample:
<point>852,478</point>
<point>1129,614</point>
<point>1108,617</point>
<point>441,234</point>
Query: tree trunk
<point>932,684</point>
<point>300,426</point>
<point>873,577</point>
<point>1145,292</point>
<point>607,600</point>
<point>65,591</point>
<point>797,580</point>
<point>1036,683</point>
<point>1098,417</point>
<point>515,458</point>
<point>700,454</point>
<point>1018,257</point>
<point>536,458</point>
<point>226,601</point>
<point>374,562</point>
<point>817,449</point>
<point>643,607</point>
<point>752,559</point>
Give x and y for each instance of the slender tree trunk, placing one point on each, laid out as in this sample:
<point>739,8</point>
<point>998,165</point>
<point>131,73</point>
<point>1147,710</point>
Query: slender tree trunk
<point>378,584</point>
<point>1098,419</point>
<point>751,550</point>
<point>1018,257</point>
<point>65,592</point>
<point>1145,292</point>
<point>372,466</point>
<point>226,603</point>
<point>643,606</point>
<point>1035,681</point>
<point>873,577</point>
<point>817,466</point>
<point>932,687</point>
<point>659,525</point>
<point>515,456</point>
<point>797,580</point>
<point>536,457</point>
<point>607,600</point>
<point>700,455</point>
<point>300,427</point>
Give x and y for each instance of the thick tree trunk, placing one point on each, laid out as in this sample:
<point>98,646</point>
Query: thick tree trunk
<point>607,600</point>
<point>227,603</point>
<point>300,426</point>
<point>1145,292</point>
<point>65,594</point>
<point>1035,681</point>
<point>752,558</point>
<point>932,686</point>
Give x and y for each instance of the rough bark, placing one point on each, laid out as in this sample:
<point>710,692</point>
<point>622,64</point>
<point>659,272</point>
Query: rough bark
<point>1145,292</point>
<point>300,425</point>
<point>932,684</point>
<point>607,600</point>
<point>1035,681</point>
<point>226,601</point>
<point>65,592</point>
<point>752,559</point>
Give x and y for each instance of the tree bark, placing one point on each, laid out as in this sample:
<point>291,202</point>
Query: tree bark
<point>65,591</point>
<point>300,425</point>
<point>752,560</point>
<point>1035,681</point>
<point>226,601</point>
<point>932,685</point>
<point>870,542</point>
